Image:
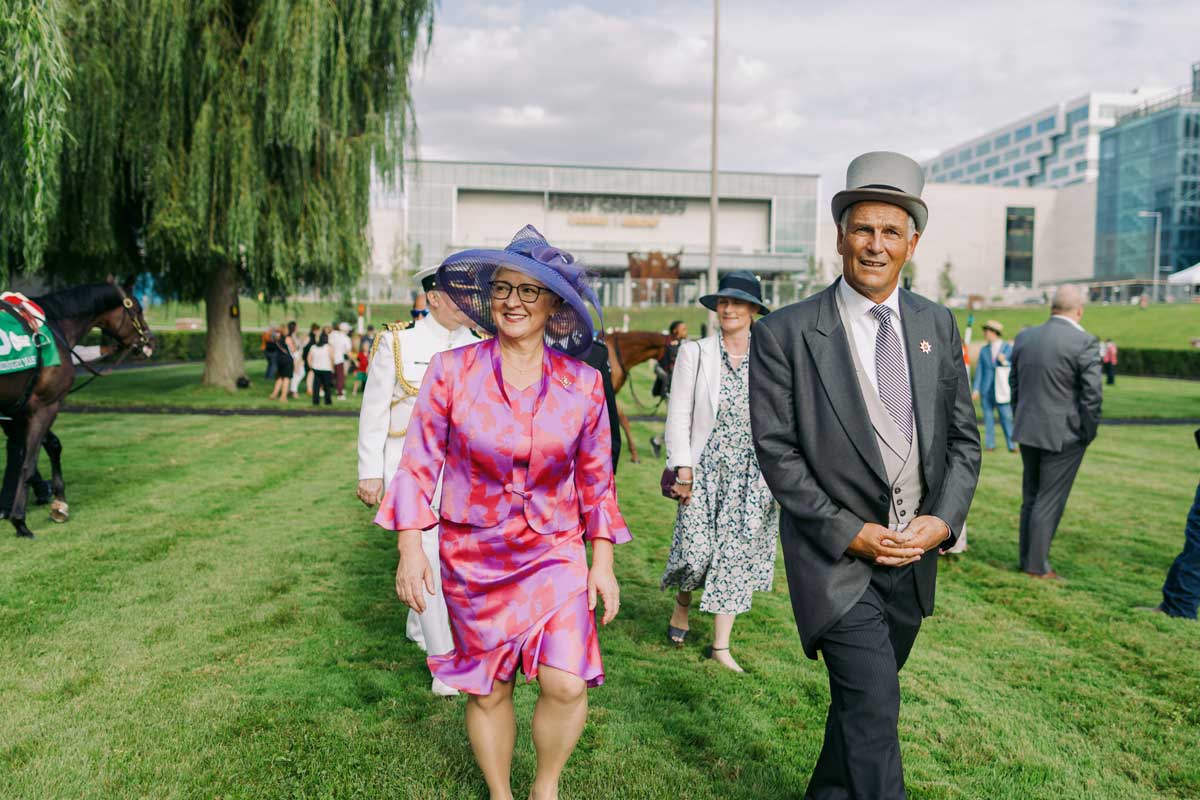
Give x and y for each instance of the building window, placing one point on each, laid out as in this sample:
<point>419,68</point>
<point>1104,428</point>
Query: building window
<point>1021,166</point>
<point>1082,131</point>
<point>1018,246</point>
<point>1045,124</point>
<point>983,149</point>
<point>1033,147</point>
<point>1081,166</point>
<point>1003,140</point>
<point>958,173</point>
<point>1023,133</point>
<point>982,178</point>
<point>1077,115</point>
<point>973,168</point>
<point>1061,172</point>
<point>1003,172</point>
<point>1011,154</point>
<point>991,162</point>
<point>948,162</point>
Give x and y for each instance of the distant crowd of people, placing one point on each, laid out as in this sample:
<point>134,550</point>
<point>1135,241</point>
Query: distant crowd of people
<point>323,362</point>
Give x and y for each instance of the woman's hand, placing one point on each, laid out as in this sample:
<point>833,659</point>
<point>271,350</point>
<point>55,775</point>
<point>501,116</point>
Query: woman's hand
<point>602,581</point>
<point>683,492</point>
<point>414,577</point>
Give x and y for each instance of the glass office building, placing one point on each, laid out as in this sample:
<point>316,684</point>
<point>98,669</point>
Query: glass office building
<point>1150,164</point>
<point>1055,147</point>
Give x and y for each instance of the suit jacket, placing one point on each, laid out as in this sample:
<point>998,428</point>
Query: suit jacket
<point>820,456</point>
<point>464,421</point>
<point>597,359</point>
<point>1056,389</point>
<point>694,400</point>
<point>985,370</point>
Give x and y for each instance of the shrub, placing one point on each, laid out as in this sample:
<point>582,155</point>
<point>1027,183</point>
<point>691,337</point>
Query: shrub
<point>1159,363</point>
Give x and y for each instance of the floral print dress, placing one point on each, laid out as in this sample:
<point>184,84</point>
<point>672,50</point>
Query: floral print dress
<point>725,535</point>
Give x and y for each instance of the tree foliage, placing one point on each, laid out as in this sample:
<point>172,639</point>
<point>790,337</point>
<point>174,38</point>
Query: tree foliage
<point>219,134</point>
<point>34,72</point>
<point>947,288</point>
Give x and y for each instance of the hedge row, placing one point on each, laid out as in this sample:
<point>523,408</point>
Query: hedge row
<point>189,346</point>
<point>1159,363</point>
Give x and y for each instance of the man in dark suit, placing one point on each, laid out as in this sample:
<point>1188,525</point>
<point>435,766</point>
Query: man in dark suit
<point>597,358</point>
<point>1056,397</point>
<point>866,434</point>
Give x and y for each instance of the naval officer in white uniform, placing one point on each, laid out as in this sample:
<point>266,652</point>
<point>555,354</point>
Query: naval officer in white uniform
<point>399,357</point>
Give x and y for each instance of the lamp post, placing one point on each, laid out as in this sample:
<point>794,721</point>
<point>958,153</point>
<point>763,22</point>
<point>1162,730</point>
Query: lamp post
<point>712,200</point>
<point>1157,215</point>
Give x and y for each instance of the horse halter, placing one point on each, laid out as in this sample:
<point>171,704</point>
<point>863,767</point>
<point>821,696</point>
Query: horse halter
<point>144,340</point>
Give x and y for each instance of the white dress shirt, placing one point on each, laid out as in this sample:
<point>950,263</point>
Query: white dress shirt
<point>866,327</point>
<point>1065,318</point>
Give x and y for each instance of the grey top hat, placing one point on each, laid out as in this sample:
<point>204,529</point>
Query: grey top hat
<point>884,178</point>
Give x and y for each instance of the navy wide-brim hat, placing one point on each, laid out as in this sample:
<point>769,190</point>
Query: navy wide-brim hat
<point>467,276</point>
<point>738,285</point>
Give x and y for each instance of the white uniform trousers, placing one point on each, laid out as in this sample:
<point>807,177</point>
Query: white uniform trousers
<point>431,630</point>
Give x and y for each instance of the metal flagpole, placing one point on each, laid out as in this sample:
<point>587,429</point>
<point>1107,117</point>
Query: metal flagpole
<point>712,202</point>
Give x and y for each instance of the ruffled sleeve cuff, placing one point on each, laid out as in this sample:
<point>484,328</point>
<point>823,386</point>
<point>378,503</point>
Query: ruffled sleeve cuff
<point>604,521</point>
<point>405,507</point>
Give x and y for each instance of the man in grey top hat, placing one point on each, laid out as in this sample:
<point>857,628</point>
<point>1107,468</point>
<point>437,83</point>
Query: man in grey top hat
<point>866,434</point>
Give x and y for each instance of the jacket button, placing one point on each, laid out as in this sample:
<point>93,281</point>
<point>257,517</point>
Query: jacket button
<point>899,502</point>
<point>896,490</point>
<point>883,498</point>
<point>902,513</point>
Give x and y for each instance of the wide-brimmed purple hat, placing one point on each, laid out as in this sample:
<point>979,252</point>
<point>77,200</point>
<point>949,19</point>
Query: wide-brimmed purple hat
<point>466,277</point>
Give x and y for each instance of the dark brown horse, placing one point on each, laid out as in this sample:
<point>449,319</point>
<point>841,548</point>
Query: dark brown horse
<point>31,398</point>
<point>626,351</point>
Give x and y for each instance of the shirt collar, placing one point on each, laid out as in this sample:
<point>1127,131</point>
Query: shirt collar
<point>1065,318</point>
<point>433,326</point>
<point>858,305</point>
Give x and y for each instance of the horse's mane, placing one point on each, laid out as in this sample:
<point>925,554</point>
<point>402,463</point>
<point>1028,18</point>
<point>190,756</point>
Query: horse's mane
<point>79,302</point>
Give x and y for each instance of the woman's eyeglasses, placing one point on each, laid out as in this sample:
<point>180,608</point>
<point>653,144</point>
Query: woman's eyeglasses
<point>527,292</point>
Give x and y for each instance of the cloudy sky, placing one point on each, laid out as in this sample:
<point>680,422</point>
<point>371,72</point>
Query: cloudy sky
<point>804,86</point>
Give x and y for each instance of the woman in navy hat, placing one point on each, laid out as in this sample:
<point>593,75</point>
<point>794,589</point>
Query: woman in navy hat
<point>726,524</point>
<point>517,428</point>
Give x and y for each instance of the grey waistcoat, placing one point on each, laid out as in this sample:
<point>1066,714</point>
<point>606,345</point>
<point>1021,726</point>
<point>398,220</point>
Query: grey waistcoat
<point>901,459</point>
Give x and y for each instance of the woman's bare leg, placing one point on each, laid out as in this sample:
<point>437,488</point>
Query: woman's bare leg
<point>492,729</point>
<point>558,721</point>
<point>722,628</point>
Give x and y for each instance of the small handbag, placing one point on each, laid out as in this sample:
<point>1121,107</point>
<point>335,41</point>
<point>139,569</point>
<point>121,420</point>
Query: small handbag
<point>667,482</point>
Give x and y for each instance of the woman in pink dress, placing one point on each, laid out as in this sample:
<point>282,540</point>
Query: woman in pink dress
<point>516,428</point>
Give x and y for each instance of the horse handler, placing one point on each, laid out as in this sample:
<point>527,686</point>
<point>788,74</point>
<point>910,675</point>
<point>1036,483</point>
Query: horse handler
<point>399,357</point>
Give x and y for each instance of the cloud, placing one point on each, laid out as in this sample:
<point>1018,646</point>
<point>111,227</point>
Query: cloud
<point>804,87</point>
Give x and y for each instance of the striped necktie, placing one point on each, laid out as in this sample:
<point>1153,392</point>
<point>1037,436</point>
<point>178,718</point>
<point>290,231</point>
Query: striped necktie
<point>891,373</point>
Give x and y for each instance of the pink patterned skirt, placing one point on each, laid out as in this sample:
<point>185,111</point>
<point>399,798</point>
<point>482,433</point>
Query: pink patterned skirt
<point>517,599</point>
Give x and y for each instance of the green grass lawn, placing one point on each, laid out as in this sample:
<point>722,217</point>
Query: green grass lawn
<point>179,385</point>
<point>217,620</point>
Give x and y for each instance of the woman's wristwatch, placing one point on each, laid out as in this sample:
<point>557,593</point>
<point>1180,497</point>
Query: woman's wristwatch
<point>679,482</point>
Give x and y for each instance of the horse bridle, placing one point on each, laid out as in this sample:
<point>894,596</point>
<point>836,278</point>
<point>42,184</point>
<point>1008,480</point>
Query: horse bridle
<point>143,340</point>
<point>143,333</point>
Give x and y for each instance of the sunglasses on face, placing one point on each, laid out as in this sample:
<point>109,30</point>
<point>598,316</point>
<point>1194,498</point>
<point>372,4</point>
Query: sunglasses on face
<point>526,292</point>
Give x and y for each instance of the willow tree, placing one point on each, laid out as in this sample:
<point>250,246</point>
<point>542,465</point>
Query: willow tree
<point>228,145</point>
<point>34,70</point>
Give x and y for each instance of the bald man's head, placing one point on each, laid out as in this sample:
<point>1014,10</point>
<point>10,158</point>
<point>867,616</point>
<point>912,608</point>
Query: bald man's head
<point>1068,301</point>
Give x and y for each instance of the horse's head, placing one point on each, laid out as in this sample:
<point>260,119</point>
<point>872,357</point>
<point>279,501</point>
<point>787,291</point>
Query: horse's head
<point>126,323</point>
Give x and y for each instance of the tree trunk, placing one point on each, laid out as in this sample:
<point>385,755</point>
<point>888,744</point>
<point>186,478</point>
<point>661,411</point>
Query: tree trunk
<point>224,361</point>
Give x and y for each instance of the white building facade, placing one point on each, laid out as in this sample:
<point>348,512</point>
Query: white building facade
<point>1004,244</point>
<point>766,222</point>
<point>1054,147</point>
